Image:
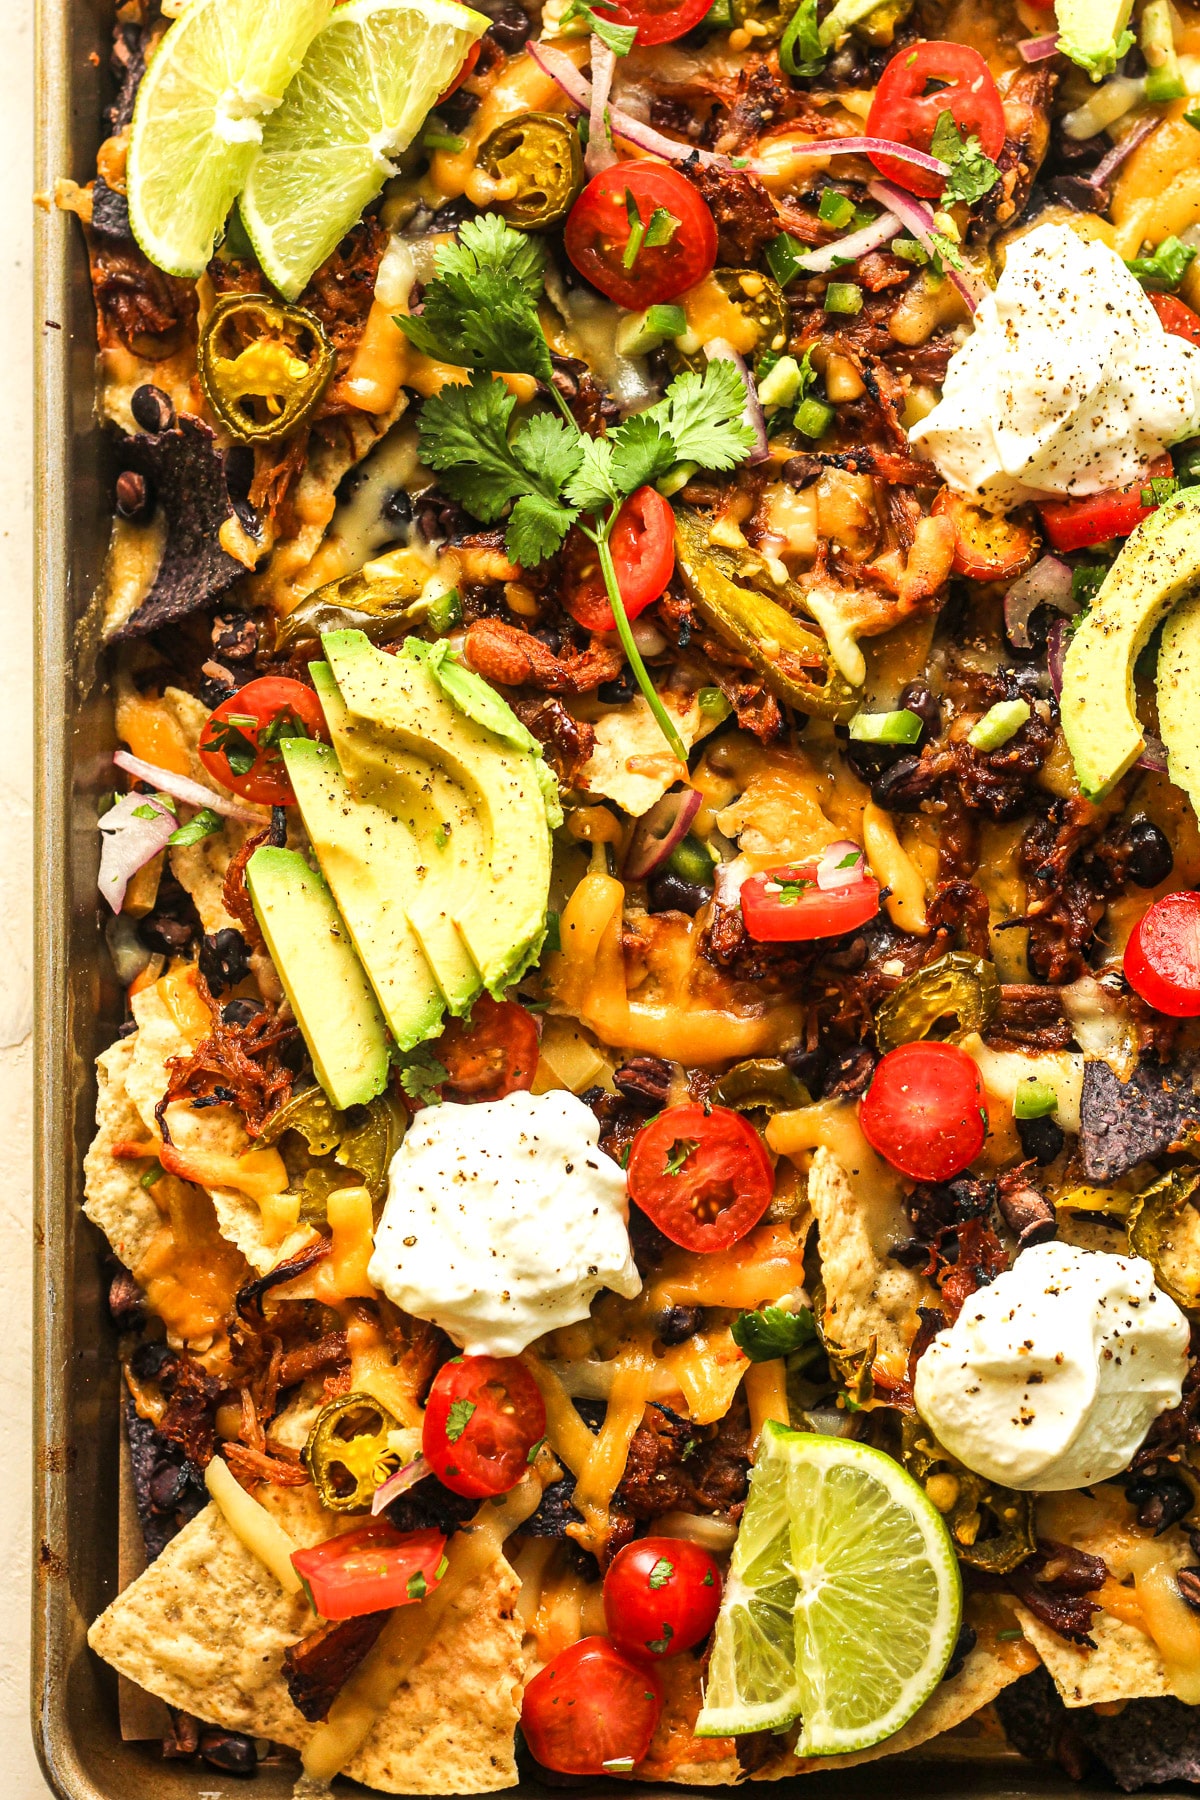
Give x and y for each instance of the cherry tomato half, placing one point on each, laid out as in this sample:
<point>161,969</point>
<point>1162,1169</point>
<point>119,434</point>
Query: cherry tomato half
<point>1077,524</point>
<point>786,905</point>
<point>239,745</point>
<point>484,1416</point>
<point>925,1111</point>
<point>657,21</point>
<point>641,273</point>
<point>703,1178</point>
<point>367,1570</point>
<point>1162,957</point>
<point>643,553</point>
<point>469,61</point>
<point>661,1596</point>
<point>1176,318</point>
<point>494,1054</point>
<point>589,1708</point>
<point>988,546</point>
<point>916,88</point>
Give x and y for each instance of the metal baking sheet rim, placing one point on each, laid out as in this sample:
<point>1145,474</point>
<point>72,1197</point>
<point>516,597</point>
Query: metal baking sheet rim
<point>73,1696</point>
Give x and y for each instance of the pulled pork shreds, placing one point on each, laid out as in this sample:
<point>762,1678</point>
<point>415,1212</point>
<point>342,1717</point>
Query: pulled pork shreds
<point>273,1465</point>
<point>248,1303</point>
<point>676,1466</point>
<point>238,1064</point>
<point>1177,1428</point>
<point>568,742</point>
<point>188,1419</point>
<point>235,895</point>
<point>1055,1583</point>
<point>513,658</point>
<point>981,1257</point>
<point>317,1667</point>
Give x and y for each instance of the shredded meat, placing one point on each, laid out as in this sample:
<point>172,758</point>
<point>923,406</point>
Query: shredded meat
<point>317,1668</point>
<point>1027,138</point>
<point>746,217</point>
<point>189,1416</point>
<point>513,658</point>
<point>960,909</point>
<point>252,1466</point>
<point>341,295</point>
<point>1073,865</point>
<point>981,1257</point>
<point>1025,1209</point>
<point>1030,1018</point>
<point>235,895</point>
<point>567,741</point>
<point>249,1301</point>
<point>1055,1583</point>
<point>238,1064</point>
<point>137,305</point>
<point>726,944</point>
<point>675,1466</point>
<point>1179,1426</point>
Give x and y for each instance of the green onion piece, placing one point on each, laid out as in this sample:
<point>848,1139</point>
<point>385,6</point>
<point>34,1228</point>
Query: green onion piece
<point>1159,490</point>
<point>843,297</point>
<point>781,384</point>
<point>713,702</point>
<point>835,209</point>
<point>998,724</point>
<point>1008,1637</point>
<point>154,1173</point>
<point>1192,118</point>
<point>443,140</point>
<point>445,612</point>
<point>719,16</point>
<point>785,256</point>
<point>667,321</point>
<point>901,727</point>
<point>1034,1099</point>
<point>813,418</point>
<point>205,822</point>
<point>1164,80</point>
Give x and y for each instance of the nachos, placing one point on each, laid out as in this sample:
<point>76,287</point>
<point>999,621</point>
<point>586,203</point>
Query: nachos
<point>651,1161</point>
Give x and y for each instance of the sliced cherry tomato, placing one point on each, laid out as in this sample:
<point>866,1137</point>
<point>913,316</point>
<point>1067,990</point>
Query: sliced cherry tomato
<point>925,1111</point>
<point>1077,524</point>
<point>661,1596</point>
<point>590,1708</point>
<point>494,1054</point>
<point>367,1570</point>
<point>917,87</point>
<point>1176,318</point>
<point>1162,957</point>
<point>657,21</point>
<point>643,553</point>
<point>988,546</point>
<point>239,745</point>
<point>786,905</point>
<point>671,248</point>
<point>484,1416</point>
<point>703,1178</point>
<point>469,61</point>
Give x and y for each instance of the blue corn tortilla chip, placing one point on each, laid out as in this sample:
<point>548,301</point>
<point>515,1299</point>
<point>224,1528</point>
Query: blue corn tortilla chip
<point>1146,1744</point>
<point>1122,1123</point>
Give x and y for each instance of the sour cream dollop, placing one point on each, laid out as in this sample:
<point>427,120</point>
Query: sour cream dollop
<point>503,1221</point>
<point>1068,383</point>
<point>1051,1377</point>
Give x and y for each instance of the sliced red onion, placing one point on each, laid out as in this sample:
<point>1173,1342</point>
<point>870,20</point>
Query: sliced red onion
<point>660,830</point>
<point>400,1482</point>
<point>1037,49</point>
<point>918,218</point>
<point>600,152</point>
<point>1048,583</point>
<point>727,882</point>
<point>1154,756</point>
<point>721,350</point>
<point>128,842</point>
<point>848,249</point>
<point>1108,165</point>
<point>1056,655</point>
<point>181,787</point>
<point>841,865</point>
<point>869,146</point>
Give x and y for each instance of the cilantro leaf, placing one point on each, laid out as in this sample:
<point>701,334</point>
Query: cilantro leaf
<point>489,246</point>
<point>593,486</point>
<point>660,1646</point>
<point>549,450</point>
<point>416,1586</point>
<point>1166,268</point>
<point>773,1332</point>
<point>536,528</point>
<point>464,435</point>
<point>703,415</point>
<point>972,174</point>
<point>420,1073</point>
<point>677,1155</point>
<point>481,310</point>
<point>642,451</point>
<point>458,1418</point>
<point>202,825</point>
<point>617,38</point>
<point>661,1573</point>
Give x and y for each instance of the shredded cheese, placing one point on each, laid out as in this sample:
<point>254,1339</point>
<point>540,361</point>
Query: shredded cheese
<point>766,1390</point>
<point>605,1464</point>
<point>343,1274</point>
<point>252,1524</point>
<point>569,1437</point>
<point>707,1369</point>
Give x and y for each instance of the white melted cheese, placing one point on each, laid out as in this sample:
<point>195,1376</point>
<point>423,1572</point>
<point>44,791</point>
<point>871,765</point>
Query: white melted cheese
<point>1051,1377</point>
<point>1068,383</point>
<point>503,1221</point>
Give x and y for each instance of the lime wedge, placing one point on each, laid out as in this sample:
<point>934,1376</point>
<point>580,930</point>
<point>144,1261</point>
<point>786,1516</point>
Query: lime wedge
<point>843,1602</point>
<point>368,81</point>
<point>219,70</point>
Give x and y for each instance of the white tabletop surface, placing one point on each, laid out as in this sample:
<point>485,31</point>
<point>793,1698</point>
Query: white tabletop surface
<point>21,1779</point>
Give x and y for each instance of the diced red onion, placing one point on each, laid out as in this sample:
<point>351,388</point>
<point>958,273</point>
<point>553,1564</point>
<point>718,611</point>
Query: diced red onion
<point>919,220</point>
<point>1056,655</point>
<point>721,350</point>
<point>831,872</point>
<point>400,1482</point>
<point>880,231</point>
<point>1048,583</point>
<point>660,830</point>
<point>181,787</point>
<point>128,842</point>
<point>1154,756</point>
<point>1108,165</point>
<point>600,152</point>
<point>1037,49</point>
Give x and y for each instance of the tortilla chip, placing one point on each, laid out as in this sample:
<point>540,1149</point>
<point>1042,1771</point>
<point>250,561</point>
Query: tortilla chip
<point>1122,1123</point>
<point>631,763</point>
<point>866,1295</point>
<point>115,1199</point>
<point>206,1626</point>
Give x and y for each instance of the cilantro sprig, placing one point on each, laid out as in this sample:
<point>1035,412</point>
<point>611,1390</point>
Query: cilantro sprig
<point>972,174</point>
<point>542,473</point>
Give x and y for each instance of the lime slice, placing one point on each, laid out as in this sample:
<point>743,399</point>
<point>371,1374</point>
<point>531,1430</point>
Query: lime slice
<point>220,68</point>
<point>843,1602</point>
<point>368,82</point>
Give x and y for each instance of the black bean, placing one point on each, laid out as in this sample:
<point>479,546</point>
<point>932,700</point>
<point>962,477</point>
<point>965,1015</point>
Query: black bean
<point>1188,1583</point>
<point>224,959</point>
<point>675,1324</point>
<point>397,509</point>
<point>807,1065</point>
<point>1041,1138</point>
<point>168,1487</point>
<point>918,697</point>
<point>152,1361</point>
<point>903,787</point>
<point>126,1302</point>
<point>620,691</point>
<point>239,1012</point>
<point>509,29</point>
<point>135,496</point>
<point>1151,858</point>
<point>668,892</point>
<point>1160,1500</point>
<point>229,1750</point>
<point>967,1639</point>
<point>801,471</point>
<point>151,408</point>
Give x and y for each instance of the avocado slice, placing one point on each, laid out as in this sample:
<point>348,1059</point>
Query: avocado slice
<point>1094,33</point>
<point>368,859</point>
<point>421,703</point>
<point>1156,567</point>
<point>437,820</point>
<point>1178,687</point>
<point>322,977</point>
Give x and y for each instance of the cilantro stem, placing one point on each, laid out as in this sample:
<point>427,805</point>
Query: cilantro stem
<point>600,538</point>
